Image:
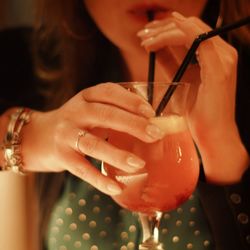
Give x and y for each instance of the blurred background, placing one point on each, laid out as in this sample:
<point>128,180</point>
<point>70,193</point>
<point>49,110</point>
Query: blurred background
<point>16,67</point>
<point>15,13</point>
<point>16,81</point>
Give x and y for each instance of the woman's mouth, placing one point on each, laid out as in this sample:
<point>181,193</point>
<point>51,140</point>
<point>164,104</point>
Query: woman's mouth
<point>141,12</point>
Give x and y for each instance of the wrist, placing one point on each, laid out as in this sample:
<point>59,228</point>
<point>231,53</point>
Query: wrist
<point>224,157</point>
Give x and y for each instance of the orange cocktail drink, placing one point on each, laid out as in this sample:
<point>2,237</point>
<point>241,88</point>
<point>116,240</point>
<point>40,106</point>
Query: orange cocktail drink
<point>171,171</point>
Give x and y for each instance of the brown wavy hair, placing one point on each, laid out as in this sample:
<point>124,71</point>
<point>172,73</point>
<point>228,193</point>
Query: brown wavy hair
<point>69,54</point>
<point>72,44</point>
<point>68,49</point>
<point>232,11</point>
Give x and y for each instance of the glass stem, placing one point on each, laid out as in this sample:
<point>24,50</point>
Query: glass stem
<point>150,227</point>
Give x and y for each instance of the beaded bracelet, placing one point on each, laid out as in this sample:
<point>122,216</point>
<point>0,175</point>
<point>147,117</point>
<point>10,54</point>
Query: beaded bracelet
<point>12,141</point>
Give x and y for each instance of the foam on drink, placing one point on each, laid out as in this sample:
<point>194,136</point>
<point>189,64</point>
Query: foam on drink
<point>170,124</point>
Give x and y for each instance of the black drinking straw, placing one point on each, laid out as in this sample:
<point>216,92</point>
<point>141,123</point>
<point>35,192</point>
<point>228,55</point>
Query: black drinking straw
<point>190,54</point>
<point>151,66</point>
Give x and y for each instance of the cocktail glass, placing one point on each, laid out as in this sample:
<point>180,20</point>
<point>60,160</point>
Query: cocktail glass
<point>172,167</point>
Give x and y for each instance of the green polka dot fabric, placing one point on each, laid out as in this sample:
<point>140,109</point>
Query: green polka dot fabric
<point>87,219</point>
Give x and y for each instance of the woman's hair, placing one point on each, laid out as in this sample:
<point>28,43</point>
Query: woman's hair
<point>232,11</point>
<point>70,52</point>
<point>69,48</point>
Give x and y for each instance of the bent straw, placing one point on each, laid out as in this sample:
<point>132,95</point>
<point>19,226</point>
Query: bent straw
<point>190,54</point>
<point>151,66</point>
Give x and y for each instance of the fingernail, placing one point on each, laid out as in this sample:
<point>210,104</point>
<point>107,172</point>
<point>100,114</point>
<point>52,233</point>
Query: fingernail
<point>178,16</point>
<point>135,162</point>
<point>163,27</point>
<point>153,24</point>
<point>169,26</point>
<point>114,189</point>
<point>148,41</point>
<point>144,32</point>
<point>152,31</point>
<point>146,110</point>
<point>154,132</point>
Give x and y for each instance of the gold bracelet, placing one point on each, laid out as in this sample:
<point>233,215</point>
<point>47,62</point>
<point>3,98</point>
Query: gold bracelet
<point>12,141</point>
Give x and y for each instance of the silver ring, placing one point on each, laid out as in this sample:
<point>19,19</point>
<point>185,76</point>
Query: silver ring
<point>81,133</point>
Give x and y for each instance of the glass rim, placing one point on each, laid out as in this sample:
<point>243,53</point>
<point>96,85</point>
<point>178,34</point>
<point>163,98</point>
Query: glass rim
<point>154,82</point>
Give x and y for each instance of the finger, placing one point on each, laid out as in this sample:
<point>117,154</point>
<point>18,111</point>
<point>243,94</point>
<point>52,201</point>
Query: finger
<point>100,132</point>
<point>168,40</point>
<point>213,56</point>
<point>208,56</point>
<point>170,48</point>
<point>83,169</point>
<point>226,52</point>
<point>173,37</point>
<point>148,32</point>
<point>203,26</point>
<point>159,23</point>
<point>106,116</point>
<point>189,27</point>
<point>110,93</point>
<point>194,27</point>
<point>88,144</point>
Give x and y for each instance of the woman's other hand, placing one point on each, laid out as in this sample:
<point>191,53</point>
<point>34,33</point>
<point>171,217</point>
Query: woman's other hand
<point>51,141</point>
<point>212,110</point>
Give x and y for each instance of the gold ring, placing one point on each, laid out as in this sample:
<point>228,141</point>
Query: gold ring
<point>81,133</point>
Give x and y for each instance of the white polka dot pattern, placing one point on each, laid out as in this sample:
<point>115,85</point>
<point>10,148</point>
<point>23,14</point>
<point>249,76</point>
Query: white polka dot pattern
<point>89,220</point>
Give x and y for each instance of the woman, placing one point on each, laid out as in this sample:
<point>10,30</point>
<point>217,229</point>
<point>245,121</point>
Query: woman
<point>98,46</point>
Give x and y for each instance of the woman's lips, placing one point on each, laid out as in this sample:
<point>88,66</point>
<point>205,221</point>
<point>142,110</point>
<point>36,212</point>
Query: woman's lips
<point>141,12</point>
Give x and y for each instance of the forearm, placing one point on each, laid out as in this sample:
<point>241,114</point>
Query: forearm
<point>224,156</point>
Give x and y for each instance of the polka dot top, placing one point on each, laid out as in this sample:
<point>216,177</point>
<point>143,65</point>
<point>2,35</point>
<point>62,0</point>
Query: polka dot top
<point>84,218</point>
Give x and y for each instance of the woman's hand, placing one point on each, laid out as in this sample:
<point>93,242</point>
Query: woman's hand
<point>212,107</point>
<point>49,140</point>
